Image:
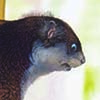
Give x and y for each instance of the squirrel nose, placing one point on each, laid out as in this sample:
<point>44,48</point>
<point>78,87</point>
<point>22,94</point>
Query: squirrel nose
<point>83,60</point>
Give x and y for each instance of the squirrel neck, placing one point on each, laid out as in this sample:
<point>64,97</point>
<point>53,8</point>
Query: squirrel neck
<point>28,79</point>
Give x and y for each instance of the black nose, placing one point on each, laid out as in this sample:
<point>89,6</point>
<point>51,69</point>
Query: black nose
<point>83,60</point>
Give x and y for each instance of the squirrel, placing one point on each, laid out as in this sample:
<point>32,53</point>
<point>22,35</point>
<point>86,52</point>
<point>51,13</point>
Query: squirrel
<point>34,46</point>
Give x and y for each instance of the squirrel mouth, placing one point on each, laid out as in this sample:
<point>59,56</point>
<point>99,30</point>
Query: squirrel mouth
<point>66,66</point>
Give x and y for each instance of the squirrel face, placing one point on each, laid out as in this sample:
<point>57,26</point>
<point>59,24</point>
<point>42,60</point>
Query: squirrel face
<point>58,48</point>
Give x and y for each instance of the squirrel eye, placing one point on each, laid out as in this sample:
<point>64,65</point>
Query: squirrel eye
<point>73,47</point>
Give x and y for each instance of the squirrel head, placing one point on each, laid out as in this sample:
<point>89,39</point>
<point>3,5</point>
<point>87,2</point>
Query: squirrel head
<point>58,47</point>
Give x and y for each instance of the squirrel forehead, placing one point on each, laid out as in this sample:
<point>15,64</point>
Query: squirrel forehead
<point>64,30</point>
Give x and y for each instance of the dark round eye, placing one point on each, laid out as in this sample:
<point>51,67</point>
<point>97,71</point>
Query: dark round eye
<point>73,47</point>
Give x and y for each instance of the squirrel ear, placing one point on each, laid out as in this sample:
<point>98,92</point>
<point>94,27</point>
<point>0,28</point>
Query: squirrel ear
<point>52,29</point>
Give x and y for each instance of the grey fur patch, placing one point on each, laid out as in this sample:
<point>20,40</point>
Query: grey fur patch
<point>35,13</point>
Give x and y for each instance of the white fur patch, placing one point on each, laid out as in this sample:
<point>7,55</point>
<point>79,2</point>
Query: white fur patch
<point>28,79</point>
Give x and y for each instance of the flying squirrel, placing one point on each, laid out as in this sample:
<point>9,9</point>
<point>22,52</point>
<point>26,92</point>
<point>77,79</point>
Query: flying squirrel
<point>34,46</point>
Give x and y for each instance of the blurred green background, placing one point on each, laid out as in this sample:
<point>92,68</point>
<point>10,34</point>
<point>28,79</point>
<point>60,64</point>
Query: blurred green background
<point>84,18</point>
